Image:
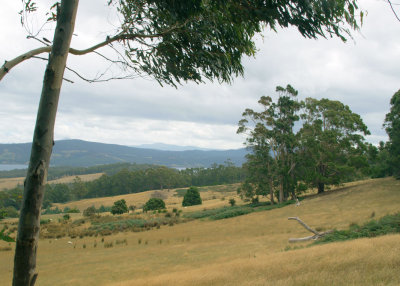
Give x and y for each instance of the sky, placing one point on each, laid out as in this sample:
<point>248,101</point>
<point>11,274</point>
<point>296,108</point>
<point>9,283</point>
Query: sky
<point>363,73</point>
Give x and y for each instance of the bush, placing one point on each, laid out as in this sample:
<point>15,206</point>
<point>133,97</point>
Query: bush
<point>119,207</point>
<point>232,202</point>
<point>154,204</point>
<point>68,210</point>
<point>103,209</point>
<point>192,197</point>
<point>8,212</point>
<point>66,217</point>
<point>90,211</point>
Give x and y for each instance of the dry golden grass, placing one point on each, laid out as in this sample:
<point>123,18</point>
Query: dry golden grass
<point>9,183</point>
<point>246,250</point>
<point>70,179</point>
<point>211,196</point>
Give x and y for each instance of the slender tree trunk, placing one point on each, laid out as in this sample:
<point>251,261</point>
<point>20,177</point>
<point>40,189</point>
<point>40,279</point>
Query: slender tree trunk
<point>42,145</point>
<point>281,198</point>
<point>321,188</point>
<point>271,191</point>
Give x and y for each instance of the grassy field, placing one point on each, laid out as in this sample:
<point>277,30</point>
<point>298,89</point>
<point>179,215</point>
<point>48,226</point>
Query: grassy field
<point>251,249</point>
<point>9,183</point>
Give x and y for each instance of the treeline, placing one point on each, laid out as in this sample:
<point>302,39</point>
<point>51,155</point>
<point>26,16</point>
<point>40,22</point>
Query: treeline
<point>126,181</point>
<point>59,172</point>
<point>296,145</point>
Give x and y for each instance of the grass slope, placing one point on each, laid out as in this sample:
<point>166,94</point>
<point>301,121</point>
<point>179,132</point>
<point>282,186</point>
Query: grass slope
<point>244,250</point>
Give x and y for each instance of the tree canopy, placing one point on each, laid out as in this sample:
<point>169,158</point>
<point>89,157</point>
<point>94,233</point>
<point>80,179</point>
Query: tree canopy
<point>392,127</point>
<point>327,149</point>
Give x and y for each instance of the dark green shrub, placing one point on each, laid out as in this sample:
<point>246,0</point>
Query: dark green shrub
<point>48,210</point>
<point>103,209</point>
<point>90,211</point>
<point>68,210</point>
<point>232,202</point>
<point>119,207</point>
<point>66,217</point>
<point>8,212</point>
<point>192,197</point>
<point>154,204</point>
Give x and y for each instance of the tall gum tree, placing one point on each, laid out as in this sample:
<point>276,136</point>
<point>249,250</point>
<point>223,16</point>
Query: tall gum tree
<point>273,144</point>
<point>331,144</point>
<point>171,41</point>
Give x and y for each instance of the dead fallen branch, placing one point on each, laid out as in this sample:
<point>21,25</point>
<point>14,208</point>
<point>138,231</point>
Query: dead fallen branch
<point>316,235</point>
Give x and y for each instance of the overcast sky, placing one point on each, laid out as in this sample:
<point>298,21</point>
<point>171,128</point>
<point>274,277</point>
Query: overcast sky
<point>363,74</point>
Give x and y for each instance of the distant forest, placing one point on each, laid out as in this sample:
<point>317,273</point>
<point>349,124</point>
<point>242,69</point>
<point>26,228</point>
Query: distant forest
<point>125,179</point>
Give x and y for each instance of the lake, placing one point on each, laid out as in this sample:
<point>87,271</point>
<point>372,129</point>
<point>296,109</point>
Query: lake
<point>8,167</point>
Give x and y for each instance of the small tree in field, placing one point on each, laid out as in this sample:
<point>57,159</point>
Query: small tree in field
<point>154,204</point>
<point>119,207</point>
<point>192,197</point>
<point>90,211</point>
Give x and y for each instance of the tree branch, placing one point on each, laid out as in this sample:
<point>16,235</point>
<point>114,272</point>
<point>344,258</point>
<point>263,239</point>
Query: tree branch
<point>314,237</point>
<point>8,65</point>
<point>394,12</point>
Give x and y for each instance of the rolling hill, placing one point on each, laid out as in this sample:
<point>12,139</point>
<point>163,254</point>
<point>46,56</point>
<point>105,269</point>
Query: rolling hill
<point>84,153</point>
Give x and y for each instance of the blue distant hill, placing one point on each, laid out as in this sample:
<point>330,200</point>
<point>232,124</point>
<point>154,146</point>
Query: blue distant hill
<point>85,154</point>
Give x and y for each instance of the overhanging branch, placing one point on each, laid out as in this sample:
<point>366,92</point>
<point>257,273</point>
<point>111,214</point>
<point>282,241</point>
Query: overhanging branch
<point>8,65</point>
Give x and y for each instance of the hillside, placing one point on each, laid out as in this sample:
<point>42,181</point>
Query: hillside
<point>248,250</point>
<point>83,153</point>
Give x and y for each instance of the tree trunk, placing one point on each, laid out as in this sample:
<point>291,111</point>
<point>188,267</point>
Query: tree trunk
<point>42,145</point>
<point>271,191</point>
<point>321,188</point>
<point>281,198</point>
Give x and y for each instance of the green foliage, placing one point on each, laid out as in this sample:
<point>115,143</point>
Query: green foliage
<point>328,149</point>
<point>331,143</point>
<point>197,40</point>
<point>119,207</point>
<point>9,211</point>
<point>154,204</point>
<point>5,237</point>
<point>228,212</point>
<point>103,209</point>
<point>192,197</point>
<point>273,143</point>
<point>71,211</point>
<point>392,127</point>
<point>385,225</point>
<point>90,211</point>
<point>66,217</point>
<point>49,210</point>
<point>232,202</point>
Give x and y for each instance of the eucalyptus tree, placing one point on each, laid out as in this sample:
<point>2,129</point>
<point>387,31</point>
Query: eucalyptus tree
<point>392,127</point>
<point>331,143</point>
<point>273,142</point>
<point>171,41</point>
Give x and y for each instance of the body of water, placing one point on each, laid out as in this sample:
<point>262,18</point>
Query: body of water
<point>8,167</point>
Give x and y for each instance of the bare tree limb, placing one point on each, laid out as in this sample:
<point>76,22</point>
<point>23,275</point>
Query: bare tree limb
<point>316,235</point>
<point>394,12</point>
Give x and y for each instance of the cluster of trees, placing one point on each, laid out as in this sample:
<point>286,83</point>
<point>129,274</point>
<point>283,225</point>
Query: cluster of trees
<point>384,159</point>
<point>296,145</point>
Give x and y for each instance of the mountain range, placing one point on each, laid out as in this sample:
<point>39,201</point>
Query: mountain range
<point>85,154</point>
